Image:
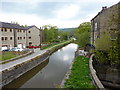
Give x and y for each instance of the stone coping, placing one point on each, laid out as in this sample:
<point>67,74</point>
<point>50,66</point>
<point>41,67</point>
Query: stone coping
<point>94,77</point>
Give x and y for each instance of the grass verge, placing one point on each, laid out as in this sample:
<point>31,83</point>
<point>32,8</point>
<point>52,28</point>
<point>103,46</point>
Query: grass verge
<point>7,55</point>
<point>45,47</point>
<point>79,77</point>
<point>52,45</point>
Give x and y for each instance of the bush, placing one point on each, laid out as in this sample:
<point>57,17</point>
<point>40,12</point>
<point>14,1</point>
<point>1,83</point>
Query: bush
<point>104,42</point>
<point>107,50</point>
<point>114,53</point>
<point>102,56</point>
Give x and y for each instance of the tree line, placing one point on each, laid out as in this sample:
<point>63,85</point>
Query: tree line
<point>52,34</point>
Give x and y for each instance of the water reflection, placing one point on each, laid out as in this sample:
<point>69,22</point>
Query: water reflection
<point>52,75</point>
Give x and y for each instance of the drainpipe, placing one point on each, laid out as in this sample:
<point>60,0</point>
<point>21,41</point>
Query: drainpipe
<point>40,34</point>
<point>26,39</point>
<point>15,37</point>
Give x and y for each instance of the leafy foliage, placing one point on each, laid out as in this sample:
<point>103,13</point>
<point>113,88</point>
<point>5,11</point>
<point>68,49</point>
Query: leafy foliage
<point>50,33</point>
<point>114,53</point>
<point>107,51</point>
<point>104,42</point>
<point>82,34</point>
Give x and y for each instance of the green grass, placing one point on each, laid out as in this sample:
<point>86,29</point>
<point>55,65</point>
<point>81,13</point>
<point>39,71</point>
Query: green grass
<point>7,55</point>
<point>48,46</point>
<point>45,47</point>
<point>79,77</point>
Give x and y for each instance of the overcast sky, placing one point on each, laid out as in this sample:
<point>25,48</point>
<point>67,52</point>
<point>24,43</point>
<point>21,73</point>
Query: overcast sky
<point>60,13</point>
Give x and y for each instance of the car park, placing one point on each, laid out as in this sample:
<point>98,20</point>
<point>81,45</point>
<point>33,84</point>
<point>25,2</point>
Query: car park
<point>16,49</point>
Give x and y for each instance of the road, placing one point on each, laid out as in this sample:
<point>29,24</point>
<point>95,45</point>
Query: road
<point>8,65</point>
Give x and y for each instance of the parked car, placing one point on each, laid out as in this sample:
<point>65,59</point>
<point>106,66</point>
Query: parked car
<point>33,46</point>
<point>6,50</point>
<point>16,49</point>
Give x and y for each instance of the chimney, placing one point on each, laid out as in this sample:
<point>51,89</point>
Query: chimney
<point>103,8</point>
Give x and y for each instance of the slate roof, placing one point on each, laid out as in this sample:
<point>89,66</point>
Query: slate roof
<point>30,27</point>
<point>5,25</point>
<point>14,26</point>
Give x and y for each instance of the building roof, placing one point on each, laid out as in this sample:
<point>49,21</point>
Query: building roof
<point>5,25</point>
<point>14,26</point>
<point>28,27</point>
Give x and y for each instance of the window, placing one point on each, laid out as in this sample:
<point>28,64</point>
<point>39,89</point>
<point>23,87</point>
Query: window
<point>29,31</point>
<point>18,38</point>
<point>24,37</point>
<point>2,29</point>
<point>10,30</point>
<point>5,38</point>
<point>30,43</point>
<point>96,26</point>
<point>24,31</point>
<point>2,38</point>
<point>10,38</point>
<point>29,37</point>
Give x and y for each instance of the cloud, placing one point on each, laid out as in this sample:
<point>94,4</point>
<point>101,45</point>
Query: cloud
<point>82,1</point>
<point>29,19</point>
<point>65,15</point>
<point>67,12</point>
<point>32,19</point>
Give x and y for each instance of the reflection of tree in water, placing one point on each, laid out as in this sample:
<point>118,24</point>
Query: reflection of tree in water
<point>25,77</point>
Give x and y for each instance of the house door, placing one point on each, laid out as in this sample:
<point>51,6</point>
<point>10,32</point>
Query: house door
<point>30,43</point>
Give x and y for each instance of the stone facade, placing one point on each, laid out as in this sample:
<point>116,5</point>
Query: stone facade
<point>33,39</point>
<point>13,35</point>
<point>107,19</point>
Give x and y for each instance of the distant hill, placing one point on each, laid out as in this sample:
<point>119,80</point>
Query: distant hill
<point>66,29</point>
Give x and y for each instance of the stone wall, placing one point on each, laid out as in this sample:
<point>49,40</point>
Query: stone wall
<point>109,76</point>
<point>107,19</point>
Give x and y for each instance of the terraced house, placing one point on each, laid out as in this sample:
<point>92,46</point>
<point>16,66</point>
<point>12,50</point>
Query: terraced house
<point>14,35</point>
<point>108,19</point>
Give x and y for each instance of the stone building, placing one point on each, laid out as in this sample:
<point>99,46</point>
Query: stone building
<point>108,19</point>
<point>14,35</point>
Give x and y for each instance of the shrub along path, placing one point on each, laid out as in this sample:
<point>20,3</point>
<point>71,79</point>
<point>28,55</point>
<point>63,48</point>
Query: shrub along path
<point>79,77</point>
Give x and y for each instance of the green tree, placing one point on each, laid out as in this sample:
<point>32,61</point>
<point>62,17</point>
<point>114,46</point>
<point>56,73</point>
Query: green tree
<point>63,35</point>
<point>50,33</point>
<point>82,34</point>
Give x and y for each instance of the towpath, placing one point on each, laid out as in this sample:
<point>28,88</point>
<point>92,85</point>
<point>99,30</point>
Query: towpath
<point>8,65</point>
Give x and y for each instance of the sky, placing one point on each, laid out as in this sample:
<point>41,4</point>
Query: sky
<point>60,13</point>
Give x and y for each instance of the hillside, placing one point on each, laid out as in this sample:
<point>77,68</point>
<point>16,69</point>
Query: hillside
<point>66,29</point>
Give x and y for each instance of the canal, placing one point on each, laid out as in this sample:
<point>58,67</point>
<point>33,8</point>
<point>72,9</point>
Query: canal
<point>50,73</point>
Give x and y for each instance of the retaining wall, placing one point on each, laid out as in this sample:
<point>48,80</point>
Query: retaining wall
<point>94,77</point>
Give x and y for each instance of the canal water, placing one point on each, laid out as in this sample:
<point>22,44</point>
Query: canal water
<point>50,73</point>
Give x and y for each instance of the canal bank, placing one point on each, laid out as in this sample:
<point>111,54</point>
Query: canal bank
<point>10,74</point>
